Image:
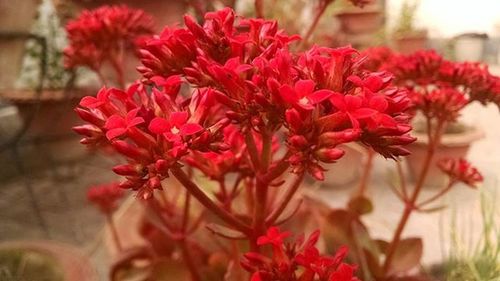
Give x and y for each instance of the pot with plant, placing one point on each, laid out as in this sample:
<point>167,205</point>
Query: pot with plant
<point>44,261</point>
<point>433,80</point>
<point>407,37</point>
<point>15,17</point>
<point>355,20</point>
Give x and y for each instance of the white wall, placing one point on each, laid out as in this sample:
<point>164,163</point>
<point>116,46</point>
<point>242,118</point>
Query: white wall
<point>446,18</point>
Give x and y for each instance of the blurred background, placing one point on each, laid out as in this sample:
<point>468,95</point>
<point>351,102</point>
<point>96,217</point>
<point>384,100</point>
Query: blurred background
<point>45,173</point>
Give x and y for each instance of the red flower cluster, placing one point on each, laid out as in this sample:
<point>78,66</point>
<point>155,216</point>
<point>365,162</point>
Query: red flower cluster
<point>249,92</point>
<point>460,170</point>
<point>105,33</point>
<point>299,260</point>
<point>105,197</point>
<point>440,88</point>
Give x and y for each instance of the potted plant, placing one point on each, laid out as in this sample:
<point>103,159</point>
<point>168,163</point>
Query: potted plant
<point>469,46</point>
<point>15,17</point>
<point>408,38</point>
<point>355,21</point>
<point>44,261</point>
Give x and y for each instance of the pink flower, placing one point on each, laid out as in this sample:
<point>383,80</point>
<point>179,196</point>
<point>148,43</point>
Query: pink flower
<point>274,237</point>
<point>303,95</point>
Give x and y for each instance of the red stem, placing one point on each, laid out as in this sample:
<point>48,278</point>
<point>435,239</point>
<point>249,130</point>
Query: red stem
<point>259,8</point>
<point>285,199</point>
<point>365,177</point>
<point>314,24</point>
<point>208,203</point>
<point>438,195</point>
<point>191,264</point>
<point>410,204</point>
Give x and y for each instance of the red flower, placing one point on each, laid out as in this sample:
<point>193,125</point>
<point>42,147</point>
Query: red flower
<point>105,197</point>
<point>297,260</point>
<point>99,35</point>
<point>461,171</point>
<point>175,127</point>
<point>303,96</point>
<point>274,237</point>
<point>118,125</point>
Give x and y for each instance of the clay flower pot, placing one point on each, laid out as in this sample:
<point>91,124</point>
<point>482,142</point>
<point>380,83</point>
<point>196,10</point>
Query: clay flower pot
<point>15,16</point>
<point>469,46</point>
<point>410,43</point>
<point>45,260</point>
<point>53,121</point>
<point>360,21</point>
<point>454,145</point>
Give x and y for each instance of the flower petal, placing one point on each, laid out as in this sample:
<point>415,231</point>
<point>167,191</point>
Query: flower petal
<point>190,129</point>
<point>159,125</point>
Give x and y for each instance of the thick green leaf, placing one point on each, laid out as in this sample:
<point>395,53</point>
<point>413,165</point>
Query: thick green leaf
<point>360,205</point>
<point>407,256</point>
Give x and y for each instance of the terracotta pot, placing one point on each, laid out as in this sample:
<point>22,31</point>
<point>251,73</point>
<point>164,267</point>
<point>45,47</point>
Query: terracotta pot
<point>411,43</point>
<point>360,21</point>
<point>347,170</point>
<point>68,262</point>
<point>51,125</point>
<point>15,16</point>
<point>469,46</point>
<point>454,145</point>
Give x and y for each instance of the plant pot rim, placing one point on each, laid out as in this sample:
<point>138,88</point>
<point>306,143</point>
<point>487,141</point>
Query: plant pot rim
<point>75,265</point>
<point>354,12</point>
<point>453,140</point>
<point>419,34</point>
<point>47,95</point>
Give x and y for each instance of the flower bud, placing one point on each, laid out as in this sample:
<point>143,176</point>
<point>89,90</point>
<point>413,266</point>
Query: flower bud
<point>329,155</point>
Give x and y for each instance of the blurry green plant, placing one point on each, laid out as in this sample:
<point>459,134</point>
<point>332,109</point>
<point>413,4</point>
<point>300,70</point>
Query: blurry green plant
<point>406,22</point>
<point>23,265</point>
<point>480,261</point>
<point>49,27</point>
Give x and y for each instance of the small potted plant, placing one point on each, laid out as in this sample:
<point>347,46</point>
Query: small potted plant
<point>407,37</point>
<point>355,20</point>
<point>44,261</point>
<point>14,17</point>
<point>469,46</point>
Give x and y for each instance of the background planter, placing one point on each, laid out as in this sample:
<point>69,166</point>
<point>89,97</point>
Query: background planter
<point>15,16</point>
<point>347,170</point>
<point>454,145</point>
<point>360,21</point>
<point>469,46</point>
<point>60,260</point>
<point>411,43</point>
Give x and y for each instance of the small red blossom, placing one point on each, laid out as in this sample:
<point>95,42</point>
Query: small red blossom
<point>118,125</point>
<point>105,197</point>
<point>175,127</point>
<point>103,34</point>
<point>297,261</point>
<point>460,170</point>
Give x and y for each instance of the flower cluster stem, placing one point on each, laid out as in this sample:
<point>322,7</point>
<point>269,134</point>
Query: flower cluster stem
<point>410,203</point>
<point>195,191</point>
<point>320,11</point>
<point>365,177</point>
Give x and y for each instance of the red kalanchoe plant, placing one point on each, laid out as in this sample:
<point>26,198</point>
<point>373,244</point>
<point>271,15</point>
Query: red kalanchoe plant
<point>229,100</point>
<point>106,198</point>
<point>461,171</point>
<point>297,260</point>
<point>439,90</point>
<point>104,35</point>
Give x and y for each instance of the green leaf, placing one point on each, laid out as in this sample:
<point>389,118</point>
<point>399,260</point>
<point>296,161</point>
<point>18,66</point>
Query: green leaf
<point>406,256</point>
<point>360,205</point>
